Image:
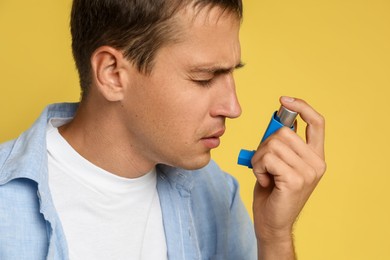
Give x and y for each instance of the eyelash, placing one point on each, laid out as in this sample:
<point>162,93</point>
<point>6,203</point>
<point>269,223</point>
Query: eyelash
<point>204,83</point>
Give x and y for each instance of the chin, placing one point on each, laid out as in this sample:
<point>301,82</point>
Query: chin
<point>194,163</point>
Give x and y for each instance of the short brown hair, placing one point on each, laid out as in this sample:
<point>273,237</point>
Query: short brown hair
<point>137,27</point>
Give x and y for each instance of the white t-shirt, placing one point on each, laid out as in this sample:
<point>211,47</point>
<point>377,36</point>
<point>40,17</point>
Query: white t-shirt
<point>104,216</point>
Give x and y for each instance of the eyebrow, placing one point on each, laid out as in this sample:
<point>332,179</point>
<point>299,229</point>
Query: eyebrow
<point>216,69</point>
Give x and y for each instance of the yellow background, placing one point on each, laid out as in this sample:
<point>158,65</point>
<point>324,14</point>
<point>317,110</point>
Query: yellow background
<point>333,53</point>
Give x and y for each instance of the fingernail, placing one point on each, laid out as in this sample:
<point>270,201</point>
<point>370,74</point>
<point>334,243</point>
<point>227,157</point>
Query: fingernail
<point>288,99</point>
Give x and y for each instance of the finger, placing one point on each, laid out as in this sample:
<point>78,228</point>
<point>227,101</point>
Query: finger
<point>264,179</point>
<point>315,130</point>
<point>277,169</point>
<point>284,145</point>
<point>305,162</point>
<point>292,149</point>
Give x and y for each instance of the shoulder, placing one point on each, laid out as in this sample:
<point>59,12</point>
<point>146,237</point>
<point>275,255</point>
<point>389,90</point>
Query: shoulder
<point>5,151</point>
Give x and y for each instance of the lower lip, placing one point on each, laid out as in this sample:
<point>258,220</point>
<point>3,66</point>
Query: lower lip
<point>211,142</point>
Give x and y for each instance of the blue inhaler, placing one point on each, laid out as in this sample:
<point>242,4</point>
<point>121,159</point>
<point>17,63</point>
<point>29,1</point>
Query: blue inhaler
<point>280,118</point>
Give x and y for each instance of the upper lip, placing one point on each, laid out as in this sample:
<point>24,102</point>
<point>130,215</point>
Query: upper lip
<point>216,134</point>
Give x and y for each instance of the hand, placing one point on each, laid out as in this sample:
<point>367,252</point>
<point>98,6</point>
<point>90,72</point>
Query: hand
<point>287,169</point>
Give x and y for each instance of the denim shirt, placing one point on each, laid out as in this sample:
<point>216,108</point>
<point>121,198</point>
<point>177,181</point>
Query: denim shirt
<point>203,215</point>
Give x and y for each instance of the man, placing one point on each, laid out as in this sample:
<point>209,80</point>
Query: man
<point>126,174</point>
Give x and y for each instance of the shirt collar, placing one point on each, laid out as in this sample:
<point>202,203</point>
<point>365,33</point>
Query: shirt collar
<point>26,156</point>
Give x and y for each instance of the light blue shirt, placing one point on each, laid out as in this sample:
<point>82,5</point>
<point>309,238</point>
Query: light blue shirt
<point>203,215</point>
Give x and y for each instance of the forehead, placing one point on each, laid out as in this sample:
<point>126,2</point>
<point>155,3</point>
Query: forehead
<point>206,26</point>
<point>192,16</point>
<point>207,34</point>
<point>212,30</point>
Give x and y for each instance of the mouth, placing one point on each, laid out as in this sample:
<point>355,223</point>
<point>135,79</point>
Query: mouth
<point>213,140</point>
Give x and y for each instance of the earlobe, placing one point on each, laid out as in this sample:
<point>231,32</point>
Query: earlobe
<point>108,73</point>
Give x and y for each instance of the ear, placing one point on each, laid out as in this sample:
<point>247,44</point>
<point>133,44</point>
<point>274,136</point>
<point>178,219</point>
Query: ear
<point>110,72</point>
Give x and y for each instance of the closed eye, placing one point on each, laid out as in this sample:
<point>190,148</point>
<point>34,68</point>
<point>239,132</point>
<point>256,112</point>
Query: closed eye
<point>204,83</point>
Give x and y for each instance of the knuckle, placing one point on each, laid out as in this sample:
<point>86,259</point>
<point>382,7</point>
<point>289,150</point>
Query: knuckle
<point>284,131</point>
<point>273,142</point>
<point>322,168</point>
<point>261,162</point>
<point>298,183</point>
<point>302,101</point>
<point>311,176</point>
<point>267,158</point>
<point>294,180</point>
<point>319,120</point>
<point>304,180</point>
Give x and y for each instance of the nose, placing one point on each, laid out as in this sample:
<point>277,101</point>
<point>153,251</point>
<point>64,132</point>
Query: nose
<point>227,104</point>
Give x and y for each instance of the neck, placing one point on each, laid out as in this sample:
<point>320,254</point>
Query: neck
<point>96,134</point>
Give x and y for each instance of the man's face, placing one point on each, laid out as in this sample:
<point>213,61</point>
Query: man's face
<point>176,115</point>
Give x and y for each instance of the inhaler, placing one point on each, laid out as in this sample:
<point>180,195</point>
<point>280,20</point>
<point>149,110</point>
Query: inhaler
<point>280,118</point>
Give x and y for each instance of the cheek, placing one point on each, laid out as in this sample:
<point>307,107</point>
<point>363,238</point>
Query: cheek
<point>182,126</point>
<point>178,121</point>
<point>179,110</point>
<point>172,110</point>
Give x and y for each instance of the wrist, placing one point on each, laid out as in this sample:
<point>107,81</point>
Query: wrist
<point>276,248</point>
<point>269,234</point>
